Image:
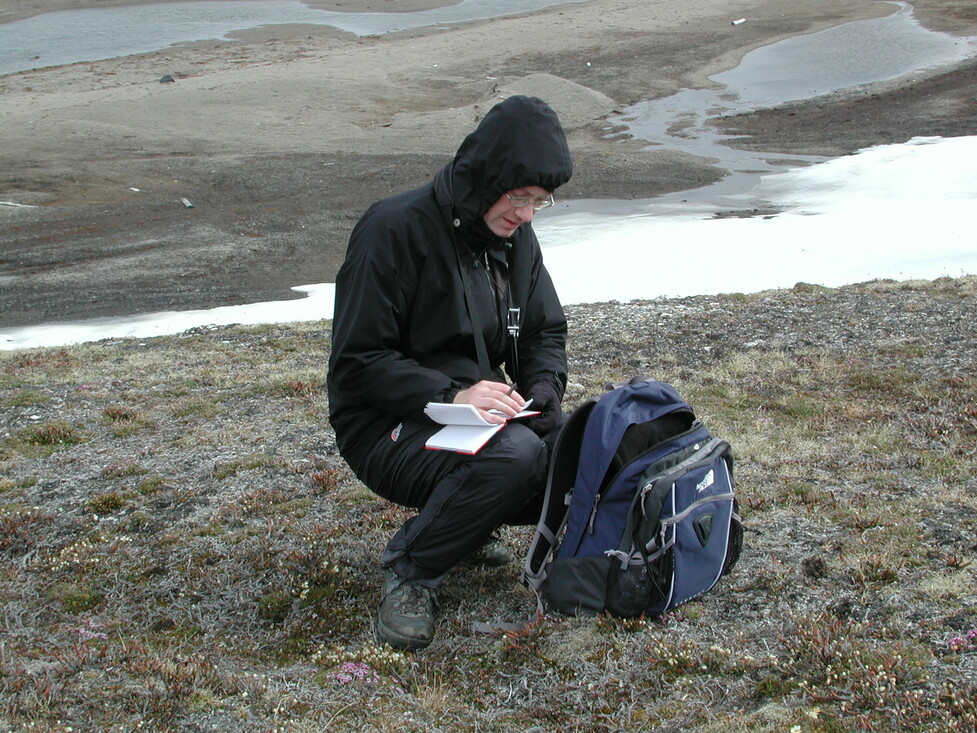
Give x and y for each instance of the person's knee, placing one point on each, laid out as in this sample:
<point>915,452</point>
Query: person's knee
<point>520,453</point>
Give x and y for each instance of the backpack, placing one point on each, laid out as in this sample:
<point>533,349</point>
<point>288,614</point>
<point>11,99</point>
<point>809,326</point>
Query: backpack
<point>639,512</point>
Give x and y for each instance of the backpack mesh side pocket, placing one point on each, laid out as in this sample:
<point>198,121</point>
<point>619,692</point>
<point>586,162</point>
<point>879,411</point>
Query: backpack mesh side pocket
<point>639,584</point>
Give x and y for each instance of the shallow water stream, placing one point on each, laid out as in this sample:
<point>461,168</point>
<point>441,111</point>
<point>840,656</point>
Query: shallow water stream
<point>70,36</point>
<point>802,67</point>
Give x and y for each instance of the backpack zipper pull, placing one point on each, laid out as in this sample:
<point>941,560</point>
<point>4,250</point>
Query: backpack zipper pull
<point>593,515</point>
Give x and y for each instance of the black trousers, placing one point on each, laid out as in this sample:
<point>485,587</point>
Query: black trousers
<point>461,499</point>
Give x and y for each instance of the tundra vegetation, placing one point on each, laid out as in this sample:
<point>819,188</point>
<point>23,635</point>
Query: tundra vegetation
<point>182,548</point>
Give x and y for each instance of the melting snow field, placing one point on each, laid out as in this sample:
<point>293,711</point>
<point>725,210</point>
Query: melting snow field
<point>892,211</point>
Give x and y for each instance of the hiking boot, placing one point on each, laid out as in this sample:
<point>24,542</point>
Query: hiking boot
<point>493,553</point>
<point>406,616</point>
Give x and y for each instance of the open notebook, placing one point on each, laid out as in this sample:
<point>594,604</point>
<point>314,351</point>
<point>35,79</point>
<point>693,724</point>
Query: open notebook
<point>465,430</point>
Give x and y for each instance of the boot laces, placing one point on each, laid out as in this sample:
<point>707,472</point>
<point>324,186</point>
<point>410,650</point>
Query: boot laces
<point>411,599</point>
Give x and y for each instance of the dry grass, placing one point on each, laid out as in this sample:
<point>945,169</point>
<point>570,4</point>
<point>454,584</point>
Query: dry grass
<point>181,547</point>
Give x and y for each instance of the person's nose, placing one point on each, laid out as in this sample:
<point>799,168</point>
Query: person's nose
<point>526,213</point>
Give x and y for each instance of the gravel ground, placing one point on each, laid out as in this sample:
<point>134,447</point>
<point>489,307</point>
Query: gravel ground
<point>870,317</point>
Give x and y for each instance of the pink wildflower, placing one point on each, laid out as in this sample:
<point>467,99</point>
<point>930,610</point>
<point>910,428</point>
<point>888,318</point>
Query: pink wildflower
<point>352,671</point>
<point>89,630</point>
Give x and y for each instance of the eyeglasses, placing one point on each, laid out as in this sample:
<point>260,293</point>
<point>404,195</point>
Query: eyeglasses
<point>519,201</point>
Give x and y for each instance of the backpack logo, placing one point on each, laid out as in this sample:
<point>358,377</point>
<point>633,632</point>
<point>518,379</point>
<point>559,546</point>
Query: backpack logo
<point>708,480</point>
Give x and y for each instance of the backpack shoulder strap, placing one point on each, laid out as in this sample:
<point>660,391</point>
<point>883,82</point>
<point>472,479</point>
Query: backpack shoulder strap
<point>556,497</point>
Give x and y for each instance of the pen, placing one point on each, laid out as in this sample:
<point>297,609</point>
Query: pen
<point>511,390</point>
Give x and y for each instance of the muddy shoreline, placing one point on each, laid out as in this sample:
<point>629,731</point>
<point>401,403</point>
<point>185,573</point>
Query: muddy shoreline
<point>278,158</point>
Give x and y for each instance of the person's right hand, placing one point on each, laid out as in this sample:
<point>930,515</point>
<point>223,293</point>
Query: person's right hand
<point>486,396</point>
<point>546,399</point>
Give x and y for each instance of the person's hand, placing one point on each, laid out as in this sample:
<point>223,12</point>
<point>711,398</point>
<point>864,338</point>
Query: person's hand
<point>546,399</point>
<point>486,396</point>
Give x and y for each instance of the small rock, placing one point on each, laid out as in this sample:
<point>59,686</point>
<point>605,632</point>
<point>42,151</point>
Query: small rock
<point>815,566</point>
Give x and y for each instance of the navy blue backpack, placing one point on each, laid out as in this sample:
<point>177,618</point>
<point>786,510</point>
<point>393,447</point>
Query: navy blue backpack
<point>640,512</point>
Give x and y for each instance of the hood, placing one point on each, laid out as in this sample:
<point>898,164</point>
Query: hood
<point>520,142</point>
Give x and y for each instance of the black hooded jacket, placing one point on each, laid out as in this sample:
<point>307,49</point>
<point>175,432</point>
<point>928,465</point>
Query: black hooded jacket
<point>402,334</point>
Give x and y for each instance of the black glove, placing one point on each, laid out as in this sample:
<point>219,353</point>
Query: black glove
<point>546,397</point>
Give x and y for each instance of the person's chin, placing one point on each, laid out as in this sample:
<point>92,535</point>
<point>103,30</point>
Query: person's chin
<point>503,231</point>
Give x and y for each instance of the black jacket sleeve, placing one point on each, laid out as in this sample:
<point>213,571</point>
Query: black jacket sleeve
<point>368,364</point>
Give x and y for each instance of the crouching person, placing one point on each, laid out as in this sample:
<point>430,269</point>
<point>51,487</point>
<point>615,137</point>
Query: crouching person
<point>443,297</point>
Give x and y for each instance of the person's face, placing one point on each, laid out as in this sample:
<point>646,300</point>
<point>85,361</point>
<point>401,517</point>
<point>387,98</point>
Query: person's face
<point>503,218</point>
